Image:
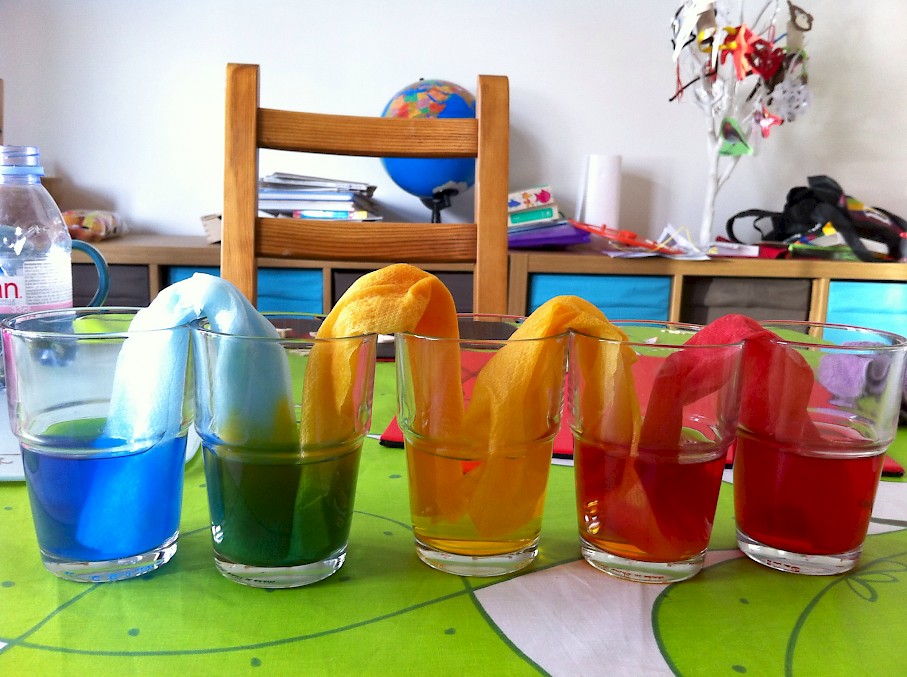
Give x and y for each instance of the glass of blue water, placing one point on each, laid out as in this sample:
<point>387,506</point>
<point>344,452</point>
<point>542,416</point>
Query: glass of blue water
<point>101,414</point>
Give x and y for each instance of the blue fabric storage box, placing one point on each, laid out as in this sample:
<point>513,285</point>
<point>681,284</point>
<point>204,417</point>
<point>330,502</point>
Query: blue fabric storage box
<point>620,297</point>
<point>279,289</point>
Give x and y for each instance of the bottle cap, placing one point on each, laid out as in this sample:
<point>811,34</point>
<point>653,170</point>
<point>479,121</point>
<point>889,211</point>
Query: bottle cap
<point>22,160</point>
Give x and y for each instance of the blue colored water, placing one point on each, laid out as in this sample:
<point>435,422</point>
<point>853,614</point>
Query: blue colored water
<point>108,506</point>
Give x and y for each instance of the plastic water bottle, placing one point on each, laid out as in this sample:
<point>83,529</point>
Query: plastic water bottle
<point>35,246</point>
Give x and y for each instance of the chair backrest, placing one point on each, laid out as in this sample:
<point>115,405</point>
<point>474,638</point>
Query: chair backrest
<point>247,237</point>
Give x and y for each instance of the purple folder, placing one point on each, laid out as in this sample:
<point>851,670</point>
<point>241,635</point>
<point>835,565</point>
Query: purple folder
<point>556,235</point>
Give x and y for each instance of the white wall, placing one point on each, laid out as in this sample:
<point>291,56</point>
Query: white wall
<point>125,98</point>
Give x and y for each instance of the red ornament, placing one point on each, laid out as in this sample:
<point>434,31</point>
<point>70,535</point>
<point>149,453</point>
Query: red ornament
<point>766,59</point>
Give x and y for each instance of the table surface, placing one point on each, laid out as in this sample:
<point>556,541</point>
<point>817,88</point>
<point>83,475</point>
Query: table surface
<point>387,613</point>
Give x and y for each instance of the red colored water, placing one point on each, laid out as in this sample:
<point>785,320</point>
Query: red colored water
<point>650,507</point>
<point>806,501</point>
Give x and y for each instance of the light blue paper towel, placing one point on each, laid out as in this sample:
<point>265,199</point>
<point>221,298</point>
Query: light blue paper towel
<point>253,385</point>
<point>148,385</point>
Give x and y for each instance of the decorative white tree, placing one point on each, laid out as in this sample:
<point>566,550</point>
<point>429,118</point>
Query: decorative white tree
<point>745,77</point>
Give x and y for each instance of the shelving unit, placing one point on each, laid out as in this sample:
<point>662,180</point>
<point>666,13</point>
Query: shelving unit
<point>151,259</point>
<point>819,274</point>
<point>158,255</point>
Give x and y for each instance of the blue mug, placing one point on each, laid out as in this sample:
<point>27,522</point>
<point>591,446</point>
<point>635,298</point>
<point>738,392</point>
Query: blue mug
<point>97,258</point>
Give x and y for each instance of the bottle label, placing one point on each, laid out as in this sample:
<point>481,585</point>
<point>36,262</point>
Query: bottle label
<point>42,285</point>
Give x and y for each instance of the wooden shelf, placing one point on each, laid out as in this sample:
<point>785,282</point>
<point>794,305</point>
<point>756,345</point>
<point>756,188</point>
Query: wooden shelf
<point>158,252</point>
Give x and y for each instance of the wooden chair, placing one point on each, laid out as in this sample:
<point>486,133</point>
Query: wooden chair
<point>246,237</point>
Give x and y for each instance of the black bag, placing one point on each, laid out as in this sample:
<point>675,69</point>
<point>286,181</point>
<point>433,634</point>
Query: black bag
<point>809,208</point>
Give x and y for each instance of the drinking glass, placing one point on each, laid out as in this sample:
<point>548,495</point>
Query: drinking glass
<point>653,417</point>
<point>282,422</point>
<point>479,414</point>
<point>820,408</point>
<point>103,449</point>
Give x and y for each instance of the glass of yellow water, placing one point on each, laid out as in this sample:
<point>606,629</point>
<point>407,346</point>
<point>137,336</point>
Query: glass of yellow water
<point>479,414</point>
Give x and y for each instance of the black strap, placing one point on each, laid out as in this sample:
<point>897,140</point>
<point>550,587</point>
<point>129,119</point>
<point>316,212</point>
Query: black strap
<point>828,213</point>
<point>901,223</point>
<point>759,214</point>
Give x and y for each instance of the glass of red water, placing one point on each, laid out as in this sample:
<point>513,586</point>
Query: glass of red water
<point>819,409</point>
<point>653,417</point>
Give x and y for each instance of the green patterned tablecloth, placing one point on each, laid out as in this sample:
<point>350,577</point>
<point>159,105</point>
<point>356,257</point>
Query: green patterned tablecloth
<point>385,613</point>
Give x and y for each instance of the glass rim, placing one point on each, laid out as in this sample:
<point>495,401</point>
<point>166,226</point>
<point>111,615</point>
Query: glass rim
<point>500,317</point>
<point>898,342</point>
<point>7,325</point>
<point>196,326</point>
<point>691,326</point>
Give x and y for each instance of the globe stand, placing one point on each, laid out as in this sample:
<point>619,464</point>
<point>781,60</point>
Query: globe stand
<point>438,201</point>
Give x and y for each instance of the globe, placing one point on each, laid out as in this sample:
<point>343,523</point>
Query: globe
<point>432,180</point>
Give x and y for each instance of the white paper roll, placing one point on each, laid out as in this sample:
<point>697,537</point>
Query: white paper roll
<point>599,191</point>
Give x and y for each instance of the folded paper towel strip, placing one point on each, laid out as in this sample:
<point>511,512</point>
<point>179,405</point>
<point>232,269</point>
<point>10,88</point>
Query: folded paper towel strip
<point>508,411</point>
<point>397,298</point>
<point>776,383</point>
<point>150,374</point>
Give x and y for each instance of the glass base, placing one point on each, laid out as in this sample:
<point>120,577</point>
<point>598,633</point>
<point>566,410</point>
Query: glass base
<point>281,577</point>
<point>106,571</point>
<point>639,571</point>
<point>795,563</point>
<point>484,565</point>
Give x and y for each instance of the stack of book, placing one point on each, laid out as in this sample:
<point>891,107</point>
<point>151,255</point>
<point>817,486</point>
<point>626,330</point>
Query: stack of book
<point>534,221</point>
<point>310,197</point>
<point>531,207</point>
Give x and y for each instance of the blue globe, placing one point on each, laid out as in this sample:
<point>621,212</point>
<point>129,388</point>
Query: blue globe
<point>429,178</point>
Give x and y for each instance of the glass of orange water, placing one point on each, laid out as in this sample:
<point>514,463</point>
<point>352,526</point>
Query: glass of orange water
<point>479,414</point>
<point>653,418</point>
<point>820,408</point>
